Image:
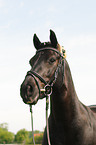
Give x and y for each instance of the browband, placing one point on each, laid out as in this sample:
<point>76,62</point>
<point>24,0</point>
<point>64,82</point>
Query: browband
<point>62,54</point>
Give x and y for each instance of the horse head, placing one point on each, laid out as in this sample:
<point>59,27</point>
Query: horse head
<point>45,67</point>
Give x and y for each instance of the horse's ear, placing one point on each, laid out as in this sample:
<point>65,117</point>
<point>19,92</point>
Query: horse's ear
<point>36,41</point>
<point>53,39</point>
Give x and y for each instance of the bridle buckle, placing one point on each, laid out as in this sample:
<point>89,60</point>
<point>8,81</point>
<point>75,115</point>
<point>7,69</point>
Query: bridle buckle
<point>47,90</point>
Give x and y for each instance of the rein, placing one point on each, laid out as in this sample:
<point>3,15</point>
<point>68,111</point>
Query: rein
<point>47,90</point>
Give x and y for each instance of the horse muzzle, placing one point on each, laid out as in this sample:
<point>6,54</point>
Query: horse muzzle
<point>29,91</point>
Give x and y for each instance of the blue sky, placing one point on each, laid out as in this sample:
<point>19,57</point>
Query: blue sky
<point>74,23</point>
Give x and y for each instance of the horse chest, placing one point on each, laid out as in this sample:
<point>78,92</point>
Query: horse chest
<point>59,135</point>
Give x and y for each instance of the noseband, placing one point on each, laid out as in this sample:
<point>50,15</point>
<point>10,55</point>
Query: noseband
<point>48,86</point>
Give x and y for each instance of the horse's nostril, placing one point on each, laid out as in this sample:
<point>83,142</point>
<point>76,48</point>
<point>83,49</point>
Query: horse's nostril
<point>29,90</point>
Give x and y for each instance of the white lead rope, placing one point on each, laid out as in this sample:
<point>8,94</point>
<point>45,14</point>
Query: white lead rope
<point>32,124</point>
<point>47,125</point>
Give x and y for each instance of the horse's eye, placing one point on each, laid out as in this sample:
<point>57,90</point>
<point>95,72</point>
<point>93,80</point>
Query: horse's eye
<point>52,60</point>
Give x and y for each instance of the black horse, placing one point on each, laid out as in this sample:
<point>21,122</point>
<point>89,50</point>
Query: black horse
<point>70,121</point>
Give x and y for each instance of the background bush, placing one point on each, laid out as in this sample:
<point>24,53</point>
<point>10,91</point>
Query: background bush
<point>22,136</point>
<point>5,135</point>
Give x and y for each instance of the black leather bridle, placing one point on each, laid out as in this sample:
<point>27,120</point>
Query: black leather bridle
<point>48,85</point>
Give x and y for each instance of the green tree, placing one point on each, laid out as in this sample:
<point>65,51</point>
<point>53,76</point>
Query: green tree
<point>38,139</point>
<point>4,126</point>
<point>21,136</point>
<point>6,137</point>
<point>38,136</point>
<point>35,132</point>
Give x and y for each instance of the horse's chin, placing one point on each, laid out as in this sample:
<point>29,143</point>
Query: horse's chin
<point>31,101</point>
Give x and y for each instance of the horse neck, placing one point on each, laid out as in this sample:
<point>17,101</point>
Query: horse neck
<point>64,101</point>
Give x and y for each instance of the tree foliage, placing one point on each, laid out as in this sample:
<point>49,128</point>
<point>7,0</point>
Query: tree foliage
<point>38,139</point>
<point>21,136</point>
<point>38,136</point>
<point>5,136</point>
<point>4,126</point>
